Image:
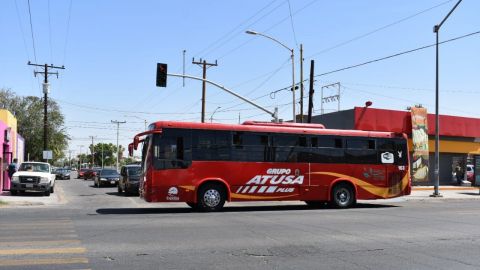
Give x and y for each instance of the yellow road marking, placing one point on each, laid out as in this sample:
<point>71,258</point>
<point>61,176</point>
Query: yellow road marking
<point>30,237</point>
<point>21,262</point>
<point>41,251</point>
<point>33,243</point>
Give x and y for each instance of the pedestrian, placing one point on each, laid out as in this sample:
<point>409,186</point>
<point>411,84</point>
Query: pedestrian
<point>459,174</point>
<point>12,168</point>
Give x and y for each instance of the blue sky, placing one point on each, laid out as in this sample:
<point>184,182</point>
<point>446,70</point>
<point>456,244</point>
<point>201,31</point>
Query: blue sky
<point>110,50</point>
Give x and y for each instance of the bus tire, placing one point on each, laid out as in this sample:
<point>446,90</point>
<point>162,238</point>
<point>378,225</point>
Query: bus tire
<point>211,197</point>
<point>343,196</point>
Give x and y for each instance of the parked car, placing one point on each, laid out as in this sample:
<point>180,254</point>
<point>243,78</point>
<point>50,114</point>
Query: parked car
<point>107,177</point>
<point>33,176</point>
<point>129,179</point>
<point>470,172</point>
<point>81,173</point>
<point>62,173</point>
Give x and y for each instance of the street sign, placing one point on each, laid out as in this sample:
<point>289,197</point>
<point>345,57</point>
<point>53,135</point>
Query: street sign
<point>47,154</point>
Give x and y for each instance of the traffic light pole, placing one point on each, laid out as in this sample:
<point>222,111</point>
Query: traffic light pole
<point>274,114</point>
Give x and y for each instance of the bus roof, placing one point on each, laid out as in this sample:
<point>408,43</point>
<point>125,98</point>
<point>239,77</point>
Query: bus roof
<point>313,129</point>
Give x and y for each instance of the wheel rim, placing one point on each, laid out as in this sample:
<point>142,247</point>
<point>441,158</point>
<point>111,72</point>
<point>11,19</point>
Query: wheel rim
<point>212,197</point>
<point>342,196</point>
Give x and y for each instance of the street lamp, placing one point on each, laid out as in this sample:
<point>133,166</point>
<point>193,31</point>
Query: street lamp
<point>211,116</point>
<point>436,183</point>
<point>293,66</point>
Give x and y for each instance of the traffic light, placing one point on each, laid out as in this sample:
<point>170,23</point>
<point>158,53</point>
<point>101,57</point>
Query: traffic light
<point>161,75</point>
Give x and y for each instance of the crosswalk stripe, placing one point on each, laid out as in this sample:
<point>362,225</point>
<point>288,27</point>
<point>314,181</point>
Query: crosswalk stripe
<point>23,262</point>
<point>40,243</point>
<point>31,237</point>
<point>34,224</point>
<point>41,251</point>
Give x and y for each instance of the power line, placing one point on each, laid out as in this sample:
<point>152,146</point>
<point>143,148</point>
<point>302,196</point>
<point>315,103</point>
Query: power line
<point>232,32</point>
<point>395,55</point>
<point>31,30</point>
<point>50,33</point>
<point>67,32</point>
<point>378,29</point>
<point>291,22</point>
<point>268,29</point>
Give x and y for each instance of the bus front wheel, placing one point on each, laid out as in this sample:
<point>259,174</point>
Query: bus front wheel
<point>211,197</point>
<point>343,196</point>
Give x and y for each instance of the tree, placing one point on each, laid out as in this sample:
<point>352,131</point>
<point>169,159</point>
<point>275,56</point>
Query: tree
<point>103,152</point>
<point>29,113</point>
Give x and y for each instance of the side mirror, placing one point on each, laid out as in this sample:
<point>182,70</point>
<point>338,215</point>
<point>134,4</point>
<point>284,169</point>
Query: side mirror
<point>130,149</point>
<point>136,141</point>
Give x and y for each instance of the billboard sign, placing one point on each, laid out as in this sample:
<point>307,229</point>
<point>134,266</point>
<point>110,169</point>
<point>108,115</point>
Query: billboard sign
<point>420,145</point>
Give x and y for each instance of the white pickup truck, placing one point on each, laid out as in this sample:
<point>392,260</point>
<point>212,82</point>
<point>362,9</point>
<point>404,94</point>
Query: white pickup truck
<point>33,176</point>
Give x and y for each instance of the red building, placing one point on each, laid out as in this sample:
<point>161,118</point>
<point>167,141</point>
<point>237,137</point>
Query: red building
<point>459,136</point>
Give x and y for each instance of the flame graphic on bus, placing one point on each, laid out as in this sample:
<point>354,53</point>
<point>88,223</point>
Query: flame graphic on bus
<point>384,192</point>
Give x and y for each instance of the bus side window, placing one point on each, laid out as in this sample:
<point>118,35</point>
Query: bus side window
<point>249,146</point>
<point>361,151</point>
<point>211,145</point>
<point>284,147</point>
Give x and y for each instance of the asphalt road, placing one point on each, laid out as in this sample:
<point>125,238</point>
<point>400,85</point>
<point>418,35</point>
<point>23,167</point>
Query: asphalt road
<point>94,228</point>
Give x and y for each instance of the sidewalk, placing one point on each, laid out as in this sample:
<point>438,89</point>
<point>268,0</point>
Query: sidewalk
<point>32,199</point>
<point>418,193</point>
<point>447,192</point>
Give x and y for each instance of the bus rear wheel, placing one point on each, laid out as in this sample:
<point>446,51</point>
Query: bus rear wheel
<point>343,196</point>
<point>211,197</point>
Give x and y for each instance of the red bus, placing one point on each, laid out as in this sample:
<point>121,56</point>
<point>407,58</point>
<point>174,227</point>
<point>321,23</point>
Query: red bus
<point>205,164</point>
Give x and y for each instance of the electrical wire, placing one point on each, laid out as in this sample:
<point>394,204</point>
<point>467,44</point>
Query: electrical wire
<point>50,33</point>
<point>266,31</point>
<point>67,32</point>
<point>291,22</point>
<point>232,33</point>
<point>31,30</point>
<point>395,55</point>
<point>378,29</point>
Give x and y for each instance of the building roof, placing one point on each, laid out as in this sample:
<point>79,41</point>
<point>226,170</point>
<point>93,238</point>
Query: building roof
<point>401,121</point>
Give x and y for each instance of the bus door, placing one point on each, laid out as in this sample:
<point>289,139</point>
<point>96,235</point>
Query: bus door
<point>393,155</point>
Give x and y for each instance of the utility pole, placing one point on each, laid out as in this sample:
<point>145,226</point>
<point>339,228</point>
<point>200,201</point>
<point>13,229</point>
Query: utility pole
<point>70,158</point>
<point>310,93</point>
<point>118,127</point>
<point>92,151</point>
<point>301,83</point>
<point>46,89</point>
<point>204,64</point>
<point>184,51</point>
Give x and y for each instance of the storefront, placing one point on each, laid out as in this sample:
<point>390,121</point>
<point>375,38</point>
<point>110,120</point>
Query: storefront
<point>8,151</point>
<point>459,136</point>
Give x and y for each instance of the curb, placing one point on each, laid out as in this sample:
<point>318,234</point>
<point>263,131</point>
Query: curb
<point>444,188</point>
